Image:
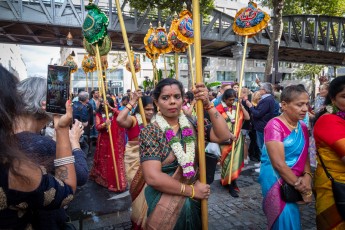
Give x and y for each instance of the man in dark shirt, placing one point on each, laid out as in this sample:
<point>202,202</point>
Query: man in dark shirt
<point>82,111</point>
<point>263,112</point>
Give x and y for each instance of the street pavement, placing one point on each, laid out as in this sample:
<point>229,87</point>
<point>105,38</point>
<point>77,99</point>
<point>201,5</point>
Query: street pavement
<point>96,208</point>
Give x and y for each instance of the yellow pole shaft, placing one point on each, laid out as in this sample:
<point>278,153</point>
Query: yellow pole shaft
<point>87,85</point>
<point>155,74</point>
<point>191,61</point>
<point>91,81</point>
<point>200,109</point>
<point>165,66</point>
<point>128,50</point>
<point>238,107</point>
<point>71,85</point>
<point>176,66</point>
<point>98,60</point>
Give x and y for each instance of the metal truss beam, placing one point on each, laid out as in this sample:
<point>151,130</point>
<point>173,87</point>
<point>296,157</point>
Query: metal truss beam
<point>48,22</point>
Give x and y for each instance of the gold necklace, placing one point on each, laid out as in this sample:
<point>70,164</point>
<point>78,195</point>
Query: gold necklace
<point>293,127</point>
<point>174,126</point>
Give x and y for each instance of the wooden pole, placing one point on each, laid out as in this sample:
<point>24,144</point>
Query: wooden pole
<point>165,66</point>
<point>98,60</point>
<point>200,110</point>
<point>128,50</point>
<point>176,66</point>
<point>238,107</point>
<point>71,85</point>
<point>91,74</point>
<point>87,83</point>
<point>155,74</point>
<point>191,63</point>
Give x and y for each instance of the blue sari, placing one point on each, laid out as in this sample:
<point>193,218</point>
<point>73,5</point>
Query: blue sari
<point>282,215</point>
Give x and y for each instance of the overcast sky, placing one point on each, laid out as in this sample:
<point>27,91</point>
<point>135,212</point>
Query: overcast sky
<point>37,58</point>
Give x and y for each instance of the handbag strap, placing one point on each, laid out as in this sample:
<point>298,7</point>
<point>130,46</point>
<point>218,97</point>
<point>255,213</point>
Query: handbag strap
<point>324,167</point>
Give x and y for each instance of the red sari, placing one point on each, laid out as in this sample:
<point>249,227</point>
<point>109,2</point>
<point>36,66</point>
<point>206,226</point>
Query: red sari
<point>103,172</point>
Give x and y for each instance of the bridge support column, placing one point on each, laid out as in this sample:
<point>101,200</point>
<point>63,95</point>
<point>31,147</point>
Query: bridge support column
<point>237,53</point>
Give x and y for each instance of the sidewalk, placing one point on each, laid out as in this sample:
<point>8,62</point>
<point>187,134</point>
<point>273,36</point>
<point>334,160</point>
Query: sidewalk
<point>96,208</point>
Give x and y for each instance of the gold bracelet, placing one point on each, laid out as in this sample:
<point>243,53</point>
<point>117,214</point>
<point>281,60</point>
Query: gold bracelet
<point>308,194</point>
<point>309,173</point>
<point>183,188</point>
<point>209,107</point>
<point>193,192</point>
<point>129,107</point>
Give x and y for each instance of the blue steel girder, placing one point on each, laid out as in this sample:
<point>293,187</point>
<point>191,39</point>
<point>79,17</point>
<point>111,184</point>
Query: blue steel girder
<point>45,22</point>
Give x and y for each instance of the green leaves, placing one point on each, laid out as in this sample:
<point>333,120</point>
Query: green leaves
<point>329,7</point>
<point>309,70</point>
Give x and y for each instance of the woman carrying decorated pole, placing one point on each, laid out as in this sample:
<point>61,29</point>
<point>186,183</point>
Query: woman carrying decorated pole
<point>168,160</point>
<point>102,171</point>
<point>134,124</point>
<point>227,108</point>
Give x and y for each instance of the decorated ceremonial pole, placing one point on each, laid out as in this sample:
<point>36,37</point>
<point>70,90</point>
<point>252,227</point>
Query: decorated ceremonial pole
<point>191,62</point>
<point>248,22</point>
<point>176,66</point>
<point>200,110</point>
<point>238,107</point>
<point>91,81</point>
<point>100,78</point>
<point>128,50</point>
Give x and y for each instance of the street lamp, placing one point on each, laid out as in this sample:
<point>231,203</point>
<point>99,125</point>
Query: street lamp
<point>69,39</point>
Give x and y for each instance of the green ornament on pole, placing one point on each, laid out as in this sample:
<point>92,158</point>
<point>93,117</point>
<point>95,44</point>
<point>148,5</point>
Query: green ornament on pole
<point>95,24</point>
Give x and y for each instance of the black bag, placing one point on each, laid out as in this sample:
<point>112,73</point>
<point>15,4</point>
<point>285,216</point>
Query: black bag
<point>290,194</point>
<point>338,189</point>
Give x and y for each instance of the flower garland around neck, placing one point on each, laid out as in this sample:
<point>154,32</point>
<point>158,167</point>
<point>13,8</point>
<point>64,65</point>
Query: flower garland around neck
<point>334,110</point>
<point>140,120</point>
<point>185,159</point>
<point>110,115</point>
<point>231,114</point>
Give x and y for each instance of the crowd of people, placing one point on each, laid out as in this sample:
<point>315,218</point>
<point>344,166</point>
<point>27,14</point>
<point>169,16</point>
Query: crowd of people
<point>158,163</point>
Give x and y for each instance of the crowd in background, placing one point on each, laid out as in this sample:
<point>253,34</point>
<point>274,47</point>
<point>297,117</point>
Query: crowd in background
<point>276,128</point>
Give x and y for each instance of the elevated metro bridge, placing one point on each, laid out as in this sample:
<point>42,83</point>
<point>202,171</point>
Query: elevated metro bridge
<point>306,38</point>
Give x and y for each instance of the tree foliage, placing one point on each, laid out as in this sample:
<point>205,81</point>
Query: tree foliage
<point>309,70</point>
<point>329,7</point>
<point>171,5</point>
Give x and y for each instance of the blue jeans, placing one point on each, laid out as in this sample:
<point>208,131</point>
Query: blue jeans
<point>260,139</point>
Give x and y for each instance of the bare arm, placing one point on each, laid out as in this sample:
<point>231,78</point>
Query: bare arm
<point>152,170</point>
<point>276,153</point>
<point>245,113</point>
<point>123,119</point>
<point>66,173</point>
<point>219,131</point>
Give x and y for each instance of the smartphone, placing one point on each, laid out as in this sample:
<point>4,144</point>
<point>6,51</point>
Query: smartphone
<point>58,82</point>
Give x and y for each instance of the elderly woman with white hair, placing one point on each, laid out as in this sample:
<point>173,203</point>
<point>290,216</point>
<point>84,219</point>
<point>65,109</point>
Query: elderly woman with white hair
<point>41,149</point>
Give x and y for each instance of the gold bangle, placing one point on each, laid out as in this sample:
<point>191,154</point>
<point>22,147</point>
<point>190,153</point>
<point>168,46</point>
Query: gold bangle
<point>308,194</point>
<point>193,192</point>
<point>209,107</point>
<point>183,188</point>
<point>129,107</point>
<point>309,173</point>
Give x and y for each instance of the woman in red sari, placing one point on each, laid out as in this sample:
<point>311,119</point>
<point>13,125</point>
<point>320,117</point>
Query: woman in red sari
<point>329,134</point>
<point>103,170</point>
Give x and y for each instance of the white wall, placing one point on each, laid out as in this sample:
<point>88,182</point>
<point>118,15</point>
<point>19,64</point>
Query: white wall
<point>12,60</point>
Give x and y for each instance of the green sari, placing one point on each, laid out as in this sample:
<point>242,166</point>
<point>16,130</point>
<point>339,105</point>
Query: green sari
<point>166,211</point>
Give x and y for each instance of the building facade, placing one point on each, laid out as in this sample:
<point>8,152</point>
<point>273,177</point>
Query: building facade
<point>11,59</point>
